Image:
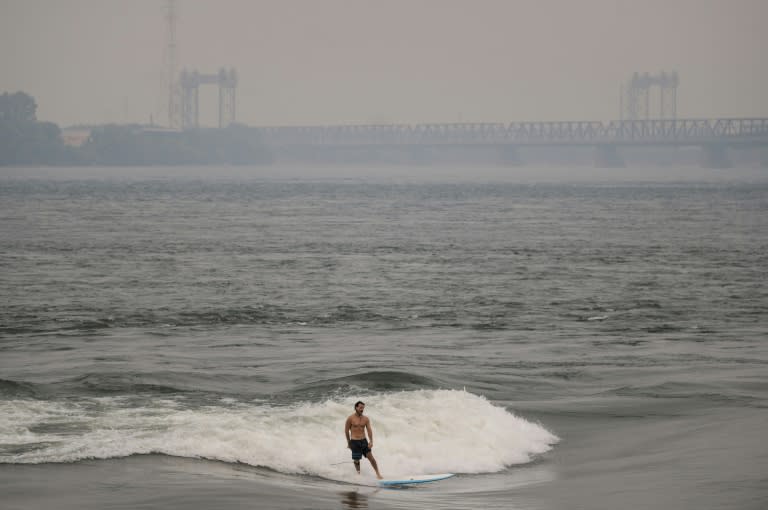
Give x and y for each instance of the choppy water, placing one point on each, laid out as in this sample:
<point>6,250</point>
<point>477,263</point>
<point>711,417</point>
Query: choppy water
<point>196,337</point>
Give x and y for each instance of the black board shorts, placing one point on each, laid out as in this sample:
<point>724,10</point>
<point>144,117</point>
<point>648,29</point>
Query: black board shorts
<point>359,448</point>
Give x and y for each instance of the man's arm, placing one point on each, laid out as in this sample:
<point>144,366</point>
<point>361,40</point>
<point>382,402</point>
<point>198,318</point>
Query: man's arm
<point>347,427</point>
<point>370,433</point>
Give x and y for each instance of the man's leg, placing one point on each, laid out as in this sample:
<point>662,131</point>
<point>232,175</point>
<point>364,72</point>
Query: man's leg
<point>373,463</point>
<point>357,454</point>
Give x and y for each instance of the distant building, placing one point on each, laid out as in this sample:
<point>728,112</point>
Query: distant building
<point>75,136</point>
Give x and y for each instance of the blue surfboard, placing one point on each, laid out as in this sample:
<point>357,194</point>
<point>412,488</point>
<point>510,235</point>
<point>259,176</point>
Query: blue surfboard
<point>413,480</point>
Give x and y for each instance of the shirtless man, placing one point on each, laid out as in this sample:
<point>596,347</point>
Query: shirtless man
<point>354,433</point>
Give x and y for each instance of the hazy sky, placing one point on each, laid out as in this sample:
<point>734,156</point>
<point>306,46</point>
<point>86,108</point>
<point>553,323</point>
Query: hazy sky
<point>394,61</point>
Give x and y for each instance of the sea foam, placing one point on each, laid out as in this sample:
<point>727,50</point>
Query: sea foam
<point>414,432</point>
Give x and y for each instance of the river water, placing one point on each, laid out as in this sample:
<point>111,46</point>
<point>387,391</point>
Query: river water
<point>558,338</point>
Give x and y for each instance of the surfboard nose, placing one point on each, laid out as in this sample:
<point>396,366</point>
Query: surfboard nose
<point>415,479</point>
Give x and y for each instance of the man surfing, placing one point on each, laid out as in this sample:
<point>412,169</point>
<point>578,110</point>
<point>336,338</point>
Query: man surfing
<point>354,433</point>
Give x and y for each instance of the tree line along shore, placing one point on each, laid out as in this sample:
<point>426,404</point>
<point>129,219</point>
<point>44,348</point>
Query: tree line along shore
<point>26,141</point>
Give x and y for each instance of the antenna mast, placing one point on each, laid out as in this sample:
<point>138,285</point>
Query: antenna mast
<point>170,18</point>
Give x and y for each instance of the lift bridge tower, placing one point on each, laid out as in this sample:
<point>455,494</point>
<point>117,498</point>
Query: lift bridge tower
<point>190,82</point>
<point>635,98</point>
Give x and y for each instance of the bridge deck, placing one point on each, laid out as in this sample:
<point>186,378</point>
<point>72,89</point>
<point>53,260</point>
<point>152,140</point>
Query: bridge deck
<point>679,132</point>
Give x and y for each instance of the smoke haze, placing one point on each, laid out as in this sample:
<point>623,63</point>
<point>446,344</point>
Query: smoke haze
<point>400,61</point>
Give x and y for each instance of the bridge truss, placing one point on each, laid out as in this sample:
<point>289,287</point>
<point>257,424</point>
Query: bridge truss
<point>672,132</point>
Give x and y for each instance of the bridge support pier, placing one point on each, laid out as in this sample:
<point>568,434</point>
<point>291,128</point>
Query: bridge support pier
<point>715,155</point>
<point>319,154</point>
<point>607,156</point>
<point>764,157</point>
<point>420,155</point>
<point>508,156</point>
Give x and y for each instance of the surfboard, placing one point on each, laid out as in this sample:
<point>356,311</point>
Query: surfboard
<point>414,479</point>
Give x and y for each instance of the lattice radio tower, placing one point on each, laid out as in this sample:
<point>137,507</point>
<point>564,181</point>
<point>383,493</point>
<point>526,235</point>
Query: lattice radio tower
<point>170,63</point>
<point>636,96</point>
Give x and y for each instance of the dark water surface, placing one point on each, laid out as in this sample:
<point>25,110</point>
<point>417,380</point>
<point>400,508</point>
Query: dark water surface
<point>195,338</point>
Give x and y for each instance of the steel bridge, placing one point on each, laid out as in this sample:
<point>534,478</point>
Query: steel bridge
<point>660,132</point>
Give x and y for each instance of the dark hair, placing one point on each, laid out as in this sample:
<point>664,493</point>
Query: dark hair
<point>358,403</point>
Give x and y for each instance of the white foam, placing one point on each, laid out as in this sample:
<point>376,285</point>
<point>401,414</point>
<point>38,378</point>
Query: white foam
<point>414,432</point>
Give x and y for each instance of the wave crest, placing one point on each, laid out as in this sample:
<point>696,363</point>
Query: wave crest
<point>414,431</point>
